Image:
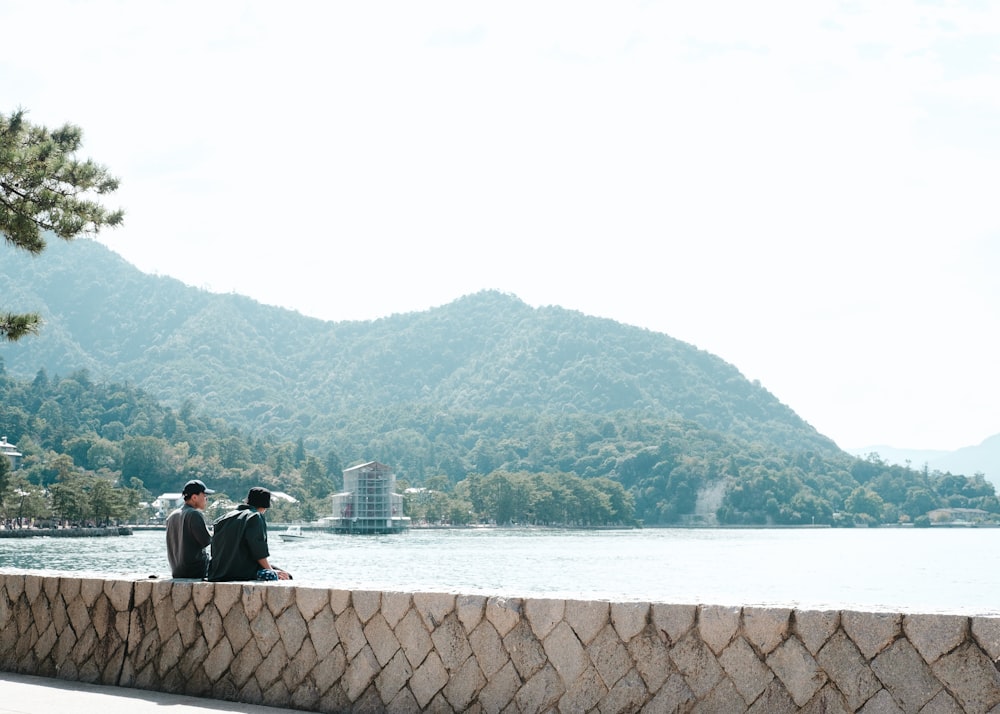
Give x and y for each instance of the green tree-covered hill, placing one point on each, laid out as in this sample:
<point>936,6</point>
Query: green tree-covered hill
<point>484,384</point>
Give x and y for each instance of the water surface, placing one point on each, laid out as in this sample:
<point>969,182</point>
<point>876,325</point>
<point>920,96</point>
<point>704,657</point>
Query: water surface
<point>891,569</point>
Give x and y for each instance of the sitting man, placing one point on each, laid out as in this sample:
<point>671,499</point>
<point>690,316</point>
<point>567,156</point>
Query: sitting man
<point>239,546</point>
<point>187,533</point>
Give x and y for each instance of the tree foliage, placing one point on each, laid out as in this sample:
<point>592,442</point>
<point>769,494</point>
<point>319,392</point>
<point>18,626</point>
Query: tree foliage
<point>44,188</point>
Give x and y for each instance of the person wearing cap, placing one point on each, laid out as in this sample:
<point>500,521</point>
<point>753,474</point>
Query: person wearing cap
<point>239,546</point>
<point>187,533</point>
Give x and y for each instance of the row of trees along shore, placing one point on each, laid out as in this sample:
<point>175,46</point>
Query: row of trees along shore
<point>96,452</point>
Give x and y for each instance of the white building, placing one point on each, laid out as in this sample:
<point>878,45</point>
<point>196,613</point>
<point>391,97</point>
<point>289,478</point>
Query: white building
<point>11,452</point>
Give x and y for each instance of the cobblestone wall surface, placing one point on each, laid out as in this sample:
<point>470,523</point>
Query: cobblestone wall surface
<point>358,651</point>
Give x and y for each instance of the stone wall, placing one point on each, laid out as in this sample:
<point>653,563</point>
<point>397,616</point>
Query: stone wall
<point>341,651</point>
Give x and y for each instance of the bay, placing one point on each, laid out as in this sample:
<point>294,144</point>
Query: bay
<point>893,569</point>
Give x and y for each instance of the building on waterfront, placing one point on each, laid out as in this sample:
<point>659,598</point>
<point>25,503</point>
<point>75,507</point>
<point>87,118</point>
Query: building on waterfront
<point>368,503</point>
<point>11,452</point>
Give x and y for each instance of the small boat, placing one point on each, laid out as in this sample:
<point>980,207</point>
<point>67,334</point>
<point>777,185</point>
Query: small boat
<point>293,533</point>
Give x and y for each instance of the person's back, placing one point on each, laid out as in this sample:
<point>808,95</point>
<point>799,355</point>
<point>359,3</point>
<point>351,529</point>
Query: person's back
<point>240,541</point>
<point>239,546</point>
<point>187,534</point>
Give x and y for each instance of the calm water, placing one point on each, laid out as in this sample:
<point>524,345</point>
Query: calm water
<point>907,570</point>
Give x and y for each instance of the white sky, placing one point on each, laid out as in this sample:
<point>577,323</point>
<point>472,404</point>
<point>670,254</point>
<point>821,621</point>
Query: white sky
<point>806,189</point>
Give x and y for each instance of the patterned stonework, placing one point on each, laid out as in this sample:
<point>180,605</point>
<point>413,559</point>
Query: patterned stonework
<point>340,651</point>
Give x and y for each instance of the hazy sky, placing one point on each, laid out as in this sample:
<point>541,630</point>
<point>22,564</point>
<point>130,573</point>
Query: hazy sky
<point>807,189</point>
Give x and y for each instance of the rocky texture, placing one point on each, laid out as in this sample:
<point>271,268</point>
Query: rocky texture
<point>338,651</point>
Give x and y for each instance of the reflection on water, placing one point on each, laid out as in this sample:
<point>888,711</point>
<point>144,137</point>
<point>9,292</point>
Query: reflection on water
<point>916,570</point>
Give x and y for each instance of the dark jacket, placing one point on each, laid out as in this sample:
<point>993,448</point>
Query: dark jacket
<point>187,536</point>
<point>239,541</point>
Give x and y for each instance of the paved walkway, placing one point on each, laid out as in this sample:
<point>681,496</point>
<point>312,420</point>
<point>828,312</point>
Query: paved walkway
<point>26,694</point>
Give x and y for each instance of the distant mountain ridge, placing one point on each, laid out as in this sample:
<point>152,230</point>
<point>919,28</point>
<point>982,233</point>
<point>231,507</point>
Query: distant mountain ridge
<point>278,372</point>
<point>982,458</point>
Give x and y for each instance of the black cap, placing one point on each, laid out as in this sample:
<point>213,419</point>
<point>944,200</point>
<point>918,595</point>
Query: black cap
<point>259,497</point>
<point>193,487</point>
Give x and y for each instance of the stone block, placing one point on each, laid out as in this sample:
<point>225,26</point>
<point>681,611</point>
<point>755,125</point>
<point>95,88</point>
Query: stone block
<point>543,614</point>
<point>428,679</point>
<point>90,590</point>
<point>180,593</point>
<point>583,694</point>
<point>463,684</point>
<point>503,613</point>
<point>211,626</point>
<point>827,700</point>
<point>253,596</point>
<point>943,703</point>
<point>540,692</point>
<point>844,665</point>
<point>393,676</point>
<point>381,639</point>
<point>329,670</point>
<point>351,633</point>
<point>488,648</point>
<point>629,618</point>
<point>203,595</point>
<point>433,608</point>
<point>797,670</point>
<point>50,586</point>
<point>413,638</point>
<point>986,632</point>
<point>340,600</point>
<point>651,658</point>
<point>565,653</point>
<point>674,696</point>
<point>226,596</point>
<point>524,649</point>
<point>366,603</point>
<point>882,703</point>
<point>971,677</point>
<point>265,632</point>
<point>291,627</point>
<point>697,664</point>
<point>904,673</point>
<point>237,628</point>
<point>219,660</point>
<point>471,610</point>
<point>609,656</point>
<point>724,697</point>
<point>872,632</point>
<point>587,617</point>
<point>774,700</point>
<point>933,635</point>
<point>451,642</point>
<point>323,632</point>
<point>628,694</point>
<point>279,597</point>
<point>500,690</point>
<point>141,591</point>
<point>310,601</point>
<point>673,621</point>
<point>118,592</point>
<point>717,625</point>
<point>188,624</point>
<point>815,627</point>
<point>361,672</point>
<point>299,665</point>
<point>271,666</point>
<point>402,703</point>
<point>766,628</point>
<point>749,675</point>
<point>395,606</point>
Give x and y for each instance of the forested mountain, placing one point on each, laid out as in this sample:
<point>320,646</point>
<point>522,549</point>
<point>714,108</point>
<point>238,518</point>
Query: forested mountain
<point>485,384</point>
